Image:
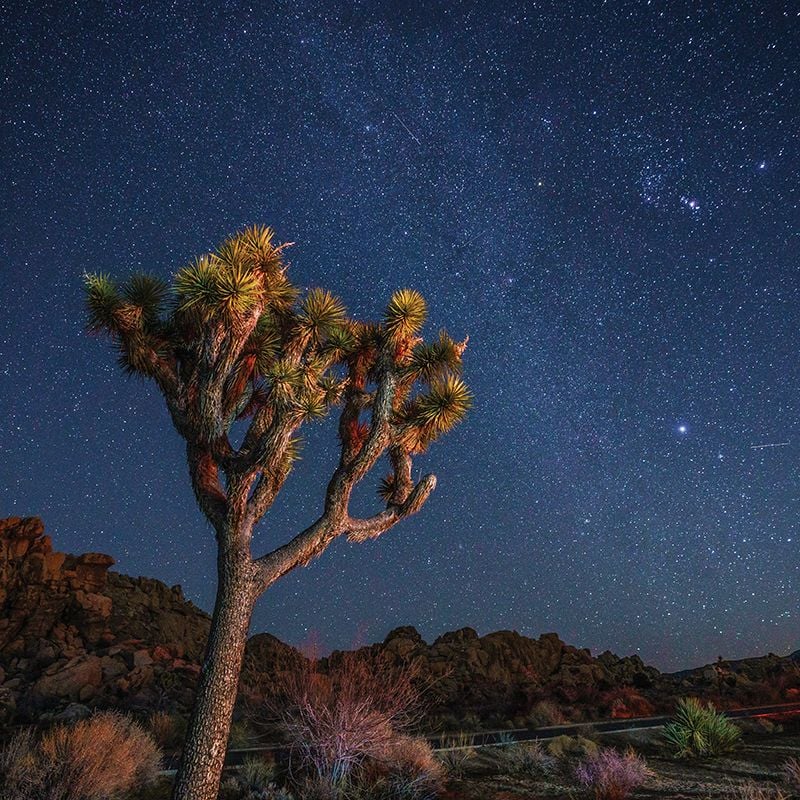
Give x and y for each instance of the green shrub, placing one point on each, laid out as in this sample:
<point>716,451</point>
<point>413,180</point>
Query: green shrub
<point>697,730</point>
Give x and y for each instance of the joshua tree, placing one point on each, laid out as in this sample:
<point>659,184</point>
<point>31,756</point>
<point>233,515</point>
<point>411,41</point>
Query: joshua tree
<point>232,339</point>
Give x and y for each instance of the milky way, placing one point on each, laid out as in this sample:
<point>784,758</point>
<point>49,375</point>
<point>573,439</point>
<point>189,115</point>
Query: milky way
<point>603,196</point>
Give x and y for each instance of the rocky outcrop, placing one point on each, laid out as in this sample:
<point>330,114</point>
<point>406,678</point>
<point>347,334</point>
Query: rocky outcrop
<point>72,631</point>
<point>504,676</point>
<point>267,661</point>
<point>74,634</point>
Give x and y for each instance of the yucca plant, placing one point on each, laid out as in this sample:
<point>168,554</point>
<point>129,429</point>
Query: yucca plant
<point>698,730</point>
<point>233,340</point>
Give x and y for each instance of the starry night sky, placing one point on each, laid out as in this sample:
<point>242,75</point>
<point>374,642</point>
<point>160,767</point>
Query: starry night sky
<point>604,196</point>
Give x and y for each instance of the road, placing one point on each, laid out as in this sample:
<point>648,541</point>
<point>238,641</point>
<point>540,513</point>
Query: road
<point>500,738</point>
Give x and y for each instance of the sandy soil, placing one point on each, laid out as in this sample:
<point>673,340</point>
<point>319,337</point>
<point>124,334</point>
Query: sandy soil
<point>758,759</point>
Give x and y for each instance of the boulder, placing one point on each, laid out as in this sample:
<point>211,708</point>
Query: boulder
<point>80,675</point>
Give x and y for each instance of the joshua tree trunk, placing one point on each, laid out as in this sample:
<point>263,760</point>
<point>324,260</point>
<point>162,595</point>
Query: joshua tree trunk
<point>207,735</point>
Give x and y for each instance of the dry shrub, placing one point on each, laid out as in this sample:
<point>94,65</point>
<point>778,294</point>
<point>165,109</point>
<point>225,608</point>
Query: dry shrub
<point>572,747</point>
<point>759,726</point>
<point>233,788</point>
<point>753,791</point>
<point>19,769</point>
<point>241,735</point>
<point>408,754</point>
<point>546,713</point>
<point>349,726</point>
<point>791,773</point>
<point>524,758</point>
<point>257,773</point>
<point>95,759</point>
<point>456,752</point>
<point>406,761</point>
<point>168,730</point>
<point>612,775</point>
<point>625,702</point>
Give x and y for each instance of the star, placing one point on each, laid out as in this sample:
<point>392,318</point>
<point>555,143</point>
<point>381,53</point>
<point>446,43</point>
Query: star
<point>611,249</point>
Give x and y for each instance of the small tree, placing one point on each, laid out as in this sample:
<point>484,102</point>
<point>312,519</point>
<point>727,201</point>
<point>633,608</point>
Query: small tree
<point>232,339</point>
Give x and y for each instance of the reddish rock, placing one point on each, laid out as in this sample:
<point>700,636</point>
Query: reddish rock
<point>142,658</point>
<point>91,570</point>
<point>161,653</point>
<point>71,680</point>
<point>70,630</point>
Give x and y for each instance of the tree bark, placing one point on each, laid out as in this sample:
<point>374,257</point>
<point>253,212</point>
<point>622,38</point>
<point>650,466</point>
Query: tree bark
<point>206,742</point>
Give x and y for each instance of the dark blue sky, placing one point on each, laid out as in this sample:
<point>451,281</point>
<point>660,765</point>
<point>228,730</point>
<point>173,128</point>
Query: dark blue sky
<point>604,196</point>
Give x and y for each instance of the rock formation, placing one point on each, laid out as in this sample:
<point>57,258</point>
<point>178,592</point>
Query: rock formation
<point>75,635</point>
<point>73,632</point>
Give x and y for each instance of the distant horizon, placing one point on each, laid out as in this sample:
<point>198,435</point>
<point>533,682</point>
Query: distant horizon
<point>595,652</point>
<point>316,640</point>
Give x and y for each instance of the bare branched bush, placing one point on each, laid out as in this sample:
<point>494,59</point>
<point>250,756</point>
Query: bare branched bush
<point>612,775</point>
<point>348,725</point>
<point>94,759</point>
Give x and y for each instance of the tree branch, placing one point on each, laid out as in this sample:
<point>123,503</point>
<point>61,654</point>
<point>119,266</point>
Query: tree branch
<point>315,539</point>
<point>401,467</point>
<point>300,550</point>
<point>208,490</point>
<point>273,473</point>
<point>359,530</point>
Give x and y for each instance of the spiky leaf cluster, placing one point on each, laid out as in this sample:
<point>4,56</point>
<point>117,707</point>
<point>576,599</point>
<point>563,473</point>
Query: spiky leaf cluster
<point>406,313</point>
<point>233,338</point>
<point>698,730</point>
<point>436,360</point>
<point>387,487</point>
<point>434,412</point>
